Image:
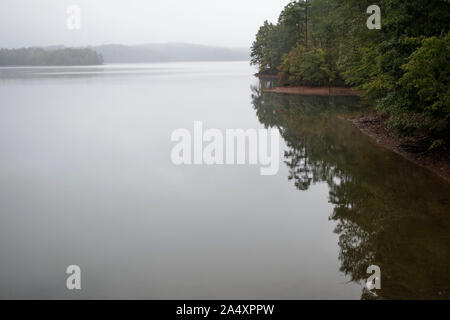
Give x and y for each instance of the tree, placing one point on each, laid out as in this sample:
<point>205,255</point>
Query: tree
<point>274,41</point>
<point>403,68</point>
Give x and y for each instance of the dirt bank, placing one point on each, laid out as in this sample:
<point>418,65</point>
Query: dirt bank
<point>316,91</point>
<point>410,148</point>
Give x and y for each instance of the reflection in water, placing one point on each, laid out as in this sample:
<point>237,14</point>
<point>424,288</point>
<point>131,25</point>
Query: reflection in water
<point>104,71</point>
<point>388,212</point>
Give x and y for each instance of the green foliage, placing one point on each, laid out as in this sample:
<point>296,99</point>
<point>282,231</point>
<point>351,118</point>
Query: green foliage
<point>421,99</point>
<point>306,67</point>
<point>41,57</point>
<point>273,41</point>
<point>403,68</point>
<point>428,72</point>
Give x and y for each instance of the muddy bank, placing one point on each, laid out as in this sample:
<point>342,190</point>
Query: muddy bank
<point>410,148</point>
<point>316,91</point>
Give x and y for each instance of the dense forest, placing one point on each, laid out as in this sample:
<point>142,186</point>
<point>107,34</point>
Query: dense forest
<point>43,57</point>
<point>403,67</point>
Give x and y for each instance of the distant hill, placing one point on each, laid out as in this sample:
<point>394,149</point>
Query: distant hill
<point>175,52</point>
<point>116,53</point>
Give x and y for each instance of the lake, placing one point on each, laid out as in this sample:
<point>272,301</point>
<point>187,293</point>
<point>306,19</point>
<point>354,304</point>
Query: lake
<point>86,179</point>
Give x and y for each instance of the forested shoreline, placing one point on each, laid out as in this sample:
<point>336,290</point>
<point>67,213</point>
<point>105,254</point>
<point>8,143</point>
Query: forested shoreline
<point>403,67</point>
<point>42,57</point>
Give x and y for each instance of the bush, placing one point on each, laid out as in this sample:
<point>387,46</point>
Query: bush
<point>421,101</point>
<point>304,66</point>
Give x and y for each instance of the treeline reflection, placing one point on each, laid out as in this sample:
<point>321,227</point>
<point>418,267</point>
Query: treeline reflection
<point>388,212</point>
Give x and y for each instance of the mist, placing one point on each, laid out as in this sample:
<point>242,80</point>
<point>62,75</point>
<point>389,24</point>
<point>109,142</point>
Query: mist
<point>232,23</point>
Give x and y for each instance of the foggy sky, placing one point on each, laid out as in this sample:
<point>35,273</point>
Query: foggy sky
<point>227,23</point>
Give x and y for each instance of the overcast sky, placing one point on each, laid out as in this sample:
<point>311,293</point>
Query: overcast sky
<point>228,23</point>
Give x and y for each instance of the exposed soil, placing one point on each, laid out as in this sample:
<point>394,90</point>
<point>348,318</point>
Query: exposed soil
<point>411,148</point>
<point>316,91</point>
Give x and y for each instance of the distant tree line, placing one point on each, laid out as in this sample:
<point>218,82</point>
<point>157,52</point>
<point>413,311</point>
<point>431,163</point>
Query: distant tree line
<point>168,52</point>
<point>403,68</point>
<point>42,57</point>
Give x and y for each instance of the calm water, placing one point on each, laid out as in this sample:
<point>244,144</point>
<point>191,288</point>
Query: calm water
<point>86,179</point>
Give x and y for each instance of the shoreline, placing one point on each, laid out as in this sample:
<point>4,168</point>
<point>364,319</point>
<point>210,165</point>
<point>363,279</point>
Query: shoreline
<point>374,126</point>
<point>316,91</point>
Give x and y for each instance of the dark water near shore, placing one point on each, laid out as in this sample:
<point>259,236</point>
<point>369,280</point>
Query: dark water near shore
<point>86,179</point>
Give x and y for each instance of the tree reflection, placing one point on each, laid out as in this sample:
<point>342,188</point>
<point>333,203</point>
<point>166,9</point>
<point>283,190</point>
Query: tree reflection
<point>387,211</point>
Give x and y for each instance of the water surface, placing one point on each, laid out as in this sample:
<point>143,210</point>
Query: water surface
<point>86,179</point>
